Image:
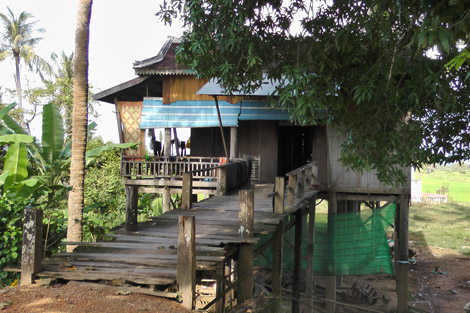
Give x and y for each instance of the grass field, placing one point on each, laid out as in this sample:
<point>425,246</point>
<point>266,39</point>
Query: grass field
<point>456,177</point>
<point>444,225</point>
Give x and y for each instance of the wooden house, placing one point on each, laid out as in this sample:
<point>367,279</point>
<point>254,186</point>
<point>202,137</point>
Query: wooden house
<point>234,138</point>
<point>167,95</point>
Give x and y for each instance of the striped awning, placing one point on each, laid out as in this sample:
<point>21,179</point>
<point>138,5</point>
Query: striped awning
<point>155,114</point>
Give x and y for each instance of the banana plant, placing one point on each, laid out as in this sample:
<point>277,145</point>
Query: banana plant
<point>51,157</point>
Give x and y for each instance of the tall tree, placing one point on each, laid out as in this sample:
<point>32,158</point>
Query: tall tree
<point>79,122</point>
<point>362,66</point>
<point>18,42</point>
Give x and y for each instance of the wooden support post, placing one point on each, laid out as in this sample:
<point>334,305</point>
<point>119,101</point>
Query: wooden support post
<point>297,262</point>
<point>233,142</point>
<point>186,196</point>
<point>331,280</point>
<point>219,291</point>
<point>222,181</point>
<point>276,276</point>
<point>32,245</point>
<point>300,185</point>
<point>245,250</point>
<point>279,187</point>
<point>186,271</point>
<point>166,197</point>
<point>167,143</point>
<point>132,197</point>
<point>310,250</point>
<point>402,260</point>
<point>291,189</point>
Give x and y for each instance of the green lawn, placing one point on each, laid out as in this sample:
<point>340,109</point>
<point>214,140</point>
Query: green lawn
<point>457,178</point>
<point>442,225</point>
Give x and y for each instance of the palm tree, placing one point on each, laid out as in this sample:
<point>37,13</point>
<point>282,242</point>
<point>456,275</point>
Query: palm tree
<point>18,42</point>
<point>79,123</point>
<point>64,87</point>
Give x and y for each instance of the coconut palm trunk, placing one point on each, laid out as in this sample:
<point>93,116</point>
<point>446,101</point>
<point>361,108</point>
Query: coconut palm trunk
<point>79,123</point>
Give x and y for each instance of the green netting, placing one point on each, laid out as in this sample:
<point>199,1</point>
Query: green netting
<point>352,243</point>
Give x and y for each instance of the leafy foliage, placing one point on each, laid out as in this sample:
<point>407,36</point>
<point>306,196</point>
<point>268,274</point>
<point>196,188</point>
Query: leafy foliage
<point>11,230</point>
<point>363,67</point>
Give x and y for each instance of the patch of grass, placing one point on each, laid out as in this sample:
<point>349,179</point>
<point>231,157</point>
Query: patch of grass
<point>444,225</point>
<point>457,177</point>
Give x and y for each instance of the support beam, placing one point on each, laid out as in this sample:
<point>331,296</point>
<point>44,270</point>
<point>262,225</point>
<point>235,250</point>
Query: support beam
<point>310,250</point>
<point>118,120</point>
<point>297,262</point>
<point>32,245</point>
<point>186,271</point>
<point>132,197</point>
<point>186,194</point>
<point>402,260</point>
<point>245,250</point>
<point>331,280</point>
<point>233,142</point>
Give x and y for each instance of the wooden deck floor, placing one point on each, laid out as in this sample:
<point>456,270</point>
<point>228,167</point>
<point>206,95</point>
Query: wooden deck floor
<point>149,255</point>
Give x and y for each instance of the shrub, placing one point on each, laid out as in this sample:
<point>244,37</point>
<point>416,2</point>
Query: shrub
<point>11,223</point>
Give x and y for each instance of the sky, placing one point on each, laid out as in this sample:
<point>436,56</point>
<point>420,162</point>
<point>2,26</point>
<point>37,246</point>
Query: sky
<point>121,32</point>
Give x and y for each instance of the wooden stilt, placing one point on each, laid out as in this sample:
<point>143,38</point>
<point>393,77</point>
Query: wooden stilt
<point>32,245</point>
<point>186,194</point>
<point>297,262</point>
<point>310,249</point>
<point>245,250</point>
<point>132,197</point>
<point>402,259</point>
<point>219,291</point>
<point>331,280</point>
<point>186,270</point>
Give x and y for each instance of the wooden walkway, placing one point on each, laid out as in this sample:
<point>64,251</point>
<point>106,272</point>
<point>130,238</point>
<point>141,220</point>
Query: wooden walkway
<point>149,255</point>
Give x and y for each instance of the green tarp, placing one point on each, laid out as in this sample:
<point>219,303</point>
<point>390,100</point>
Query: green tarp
<point>352,243</point>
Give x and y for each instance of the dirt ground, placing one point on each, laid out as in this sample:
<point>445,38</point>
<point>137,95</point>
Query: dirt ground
<point>445,290</point>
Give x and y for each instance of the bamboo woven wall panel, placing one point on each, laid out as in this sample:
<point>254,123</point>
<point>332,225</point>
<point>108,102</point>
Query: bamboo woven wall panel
<point>130,113</point>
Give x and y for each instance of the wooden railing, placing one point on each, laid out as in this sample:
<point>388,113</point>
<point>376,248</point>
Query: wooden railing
<point>154,168</point>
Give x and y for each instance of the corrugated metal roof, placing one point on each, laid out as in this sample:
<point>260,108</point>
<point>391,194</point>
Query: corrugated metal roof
<point>212,88</point>
<point>155,114</point>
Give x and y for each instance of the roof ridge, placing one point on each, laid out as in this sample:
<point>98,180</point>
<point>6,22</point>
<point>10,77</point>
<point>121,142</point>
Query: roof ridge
<point>161,54</point>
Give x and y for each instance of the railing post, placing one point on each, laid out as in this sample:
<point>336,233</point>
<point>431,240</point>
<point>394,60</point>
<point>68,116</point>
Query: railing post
<point>301,184</point>
<point>132,197</point>
<point>186,193</point>
<point>308,177</point>
<point>279,188</point>
<point>186,270</point>
<point>222,181</point>
<point>291,189</point>
<point>314,173</point>
<point>166,198</point>
<point>245,250</point>
<point>32,245</point>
